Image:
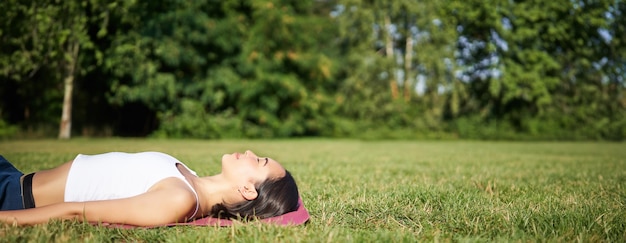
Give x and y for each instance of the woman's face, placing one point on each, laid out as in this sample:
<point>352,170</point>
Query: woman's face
<point>238,166</point>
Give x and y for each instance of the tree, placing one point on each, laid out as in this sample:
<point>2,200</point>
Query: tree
<point>237,68</point>
<point>27,34</point>
<point>48,36</point>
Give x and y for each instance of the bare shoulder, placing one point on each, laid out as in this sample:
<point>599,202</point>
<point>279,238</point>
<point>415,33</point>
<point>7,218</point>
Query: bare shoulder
<point>171,183</point>
<point>175,196</point>
<point>176,191</point>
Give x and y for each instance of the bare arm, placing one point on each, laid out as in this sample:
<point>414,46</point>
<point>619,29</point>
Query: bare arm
<point>148,209</point>
<point>42,214</point>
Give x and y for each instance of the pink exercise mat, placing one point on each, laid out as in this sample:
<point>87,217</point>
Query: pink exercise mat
<point>298,217</point>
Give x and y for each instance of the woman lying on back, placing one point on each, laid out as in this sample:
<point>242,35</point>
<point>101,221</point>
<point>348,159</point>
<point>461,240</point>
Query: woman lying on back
<point>145,189</point>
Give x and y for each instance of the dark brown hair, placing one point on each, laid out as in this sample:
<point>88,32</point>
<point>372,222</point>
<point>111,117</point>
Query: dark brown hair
<point>275,197</point>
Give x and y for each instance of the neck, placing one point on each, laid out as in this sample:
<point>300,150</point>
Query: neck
<point>211,190</point>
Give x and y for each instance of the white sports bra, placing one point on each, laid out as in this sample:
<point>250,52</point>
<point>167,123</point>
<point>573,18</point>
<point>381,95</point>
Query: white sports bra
<point>118,175</point>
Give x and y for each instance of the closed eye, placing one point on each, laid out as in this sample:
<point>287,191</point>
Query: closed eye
<point>264,164</point>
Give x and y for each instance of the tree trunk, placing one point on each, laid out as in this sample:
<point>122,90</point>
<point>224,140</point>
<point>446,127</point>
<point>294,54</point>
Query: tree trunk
<point>65,128</point>
<point>393,84</point>
<point>408,60</point>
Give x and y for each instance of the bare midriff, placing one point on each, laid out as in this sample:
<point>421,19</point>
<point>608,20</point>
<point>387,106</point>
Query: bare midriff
<point>49,185</point>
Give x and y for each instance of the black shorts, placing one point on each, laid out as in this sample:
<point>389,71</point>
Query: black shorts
<point>12,194</point>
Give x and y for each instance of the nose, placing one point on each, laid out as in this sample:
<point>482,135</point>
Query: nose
<point>250,153</point>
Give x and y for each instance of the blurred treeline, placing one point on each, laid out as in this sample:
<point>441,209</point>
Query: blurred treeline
<point>478,69</point>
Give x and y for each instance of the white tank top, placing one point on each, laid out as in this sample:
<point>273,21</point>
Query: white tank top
<point>118,175</point>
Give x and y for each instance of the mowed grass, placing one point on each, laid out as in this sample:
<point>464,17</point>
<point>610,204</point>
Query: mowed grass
<point>386,191</point>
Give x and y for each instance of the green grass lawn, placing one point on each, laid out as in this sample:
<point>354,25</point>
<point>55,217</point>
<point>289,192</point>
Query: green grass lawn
<point>381,191</point>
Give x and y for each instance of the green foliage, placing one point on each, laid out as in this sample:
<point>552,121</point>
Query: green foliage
<point>344,68</point>
<point>547,57</point>
<point>7,130</point>
<point>257,74</point>
<point>194,122</point>
<point>45,43</point>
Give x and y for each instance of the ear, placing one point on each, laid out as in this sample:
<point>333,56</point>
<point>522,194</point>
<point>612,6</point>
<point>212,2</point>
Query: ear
<point>248,191</point>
